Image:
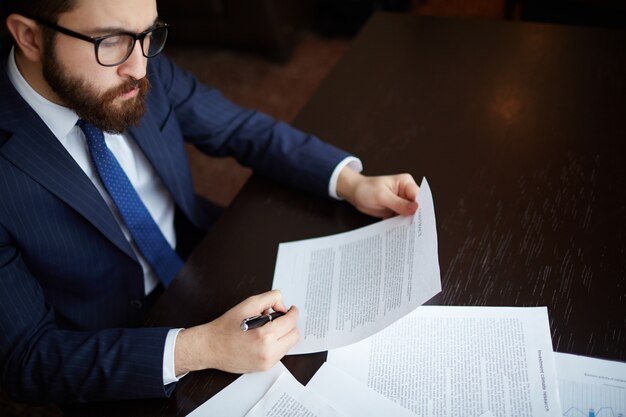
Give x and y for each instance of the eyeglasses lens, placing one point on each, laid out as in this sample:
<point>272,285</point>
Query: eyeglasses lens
<point>115,49</point>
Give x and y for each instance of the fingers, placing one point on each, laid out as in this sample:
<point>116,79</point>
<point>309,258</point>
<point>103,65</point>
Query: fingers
<point>408,187</point>
<point>281,326</point>
<point>273,340</point>
<point>288,341</point>
<point>384,196</point>
<point>398,204</point>
<point>263,302</point>
<point>269,352</point>
<point>404,195</point>
<point>221,344</point>
<point>278,327</point>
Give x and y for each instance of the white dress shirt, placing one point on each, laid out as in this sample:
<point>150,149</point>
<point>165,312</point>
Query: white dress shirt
<point>62,123</point>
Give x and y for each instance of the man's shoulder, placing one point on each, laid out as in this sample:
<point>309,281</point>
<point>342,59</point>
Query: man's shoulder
<point>169,82</point>
<point>161,65</point>
<point>161,72</point>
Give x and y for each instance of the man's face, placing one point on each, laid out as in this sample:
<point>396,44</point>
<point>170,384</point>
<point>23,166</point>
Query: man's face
<point>111,98</point>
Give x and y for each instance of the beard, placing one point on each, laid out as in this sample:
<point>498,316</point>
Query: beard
<point>103,110</point>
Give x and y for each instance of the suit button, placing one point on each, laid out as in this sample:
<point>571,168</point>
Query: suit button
<point>136,304</point>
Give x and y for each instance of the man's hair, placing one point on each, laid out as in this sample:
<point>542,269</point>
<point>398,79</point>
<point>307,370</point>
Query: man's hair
<point>45,9</point>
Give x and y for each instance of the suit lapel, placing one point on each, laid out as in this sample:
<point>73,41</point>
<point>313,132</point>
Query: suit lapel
<point>168,158</point>
<point>33,149</point>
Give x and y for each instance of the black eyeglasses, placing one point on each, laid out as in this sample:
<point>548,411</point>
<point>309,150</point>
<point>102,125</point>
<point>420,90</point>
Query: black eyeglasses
<point>114,49</point>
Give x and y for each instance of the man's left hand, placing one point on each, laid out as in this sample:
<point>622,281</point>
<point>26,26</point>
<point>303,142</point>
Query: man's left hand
<point>381,196</point>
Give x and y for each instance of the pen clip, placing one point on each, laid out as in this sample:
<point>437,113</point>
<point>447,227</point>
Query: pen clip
<point>244,321</point>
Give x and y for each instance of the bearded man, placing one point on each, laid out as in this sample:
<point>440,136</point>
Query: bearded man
<point>97,210</point>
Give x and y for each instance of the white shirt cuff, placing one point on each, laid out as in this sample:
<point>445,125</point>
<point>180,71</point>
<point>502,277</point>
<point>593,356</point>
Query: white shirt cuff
<point>354,163</point>
<point>169,368</point>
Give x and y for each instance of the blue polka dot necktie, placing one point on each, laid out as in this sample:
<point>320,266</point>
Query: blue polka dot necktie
<point>142,227</point>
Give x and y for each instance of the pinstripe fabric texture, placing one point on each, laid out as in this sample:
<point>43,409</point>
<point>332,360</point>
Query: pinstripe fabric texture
<point>71,288</point>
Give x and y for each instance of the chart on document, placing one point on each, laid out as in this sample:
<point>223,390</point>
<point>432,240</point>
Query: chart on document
<point>581,400</point>
<point>591,387</point>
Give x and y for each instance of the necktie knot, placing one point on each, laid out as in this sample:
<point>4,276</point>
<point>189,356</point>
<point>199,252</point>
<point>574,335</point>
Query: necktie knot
<point>90,131</point>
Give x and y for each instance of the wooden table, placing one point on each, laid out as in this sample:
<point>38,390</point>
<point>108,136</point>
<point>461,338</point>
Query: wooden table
<point>521,131</point>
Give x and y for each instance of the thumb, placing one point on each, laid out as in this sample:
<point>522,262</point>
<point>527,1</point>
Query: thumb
<point>398,204</point>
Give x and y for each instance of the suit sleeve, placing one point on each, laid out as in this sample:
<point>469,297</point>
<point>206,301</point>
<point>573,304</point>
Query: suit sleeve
<point>42,363</point>
<point>219,127</point>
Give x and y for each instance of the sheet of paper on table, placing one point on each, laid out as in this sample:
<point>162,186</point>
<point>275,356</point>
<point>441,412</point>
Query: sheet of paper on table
<point>240,396</point>
<point>351,285</point>
<point>591,387</point>
<point>352,397</point>
<point>288,398</point>
<point>331,392</point>
<point>441,361</point>
<point>277,391</point>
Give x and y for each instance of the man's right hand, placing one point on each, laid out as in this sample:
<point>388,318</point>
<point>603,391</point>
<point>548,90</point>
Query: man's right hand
<point>220,344</point>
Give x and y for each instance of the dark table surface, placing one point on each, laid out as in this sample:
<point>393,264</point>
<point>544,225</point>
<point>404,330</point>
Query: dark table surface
<point>520,129</point>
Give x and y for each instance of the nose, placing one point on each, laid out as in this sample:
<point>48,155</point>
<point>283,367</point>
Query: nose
<point>135,65</point>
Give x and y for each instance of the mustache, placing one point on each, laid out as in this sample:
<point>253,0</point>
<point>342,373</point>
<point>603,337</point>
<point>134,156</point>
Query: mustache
<point>131,84</point>
<point>143,84</point>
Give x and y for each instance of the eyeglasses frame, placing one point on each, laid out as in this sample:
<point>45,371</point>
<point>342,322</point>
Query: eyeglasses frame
<point>96,41</point>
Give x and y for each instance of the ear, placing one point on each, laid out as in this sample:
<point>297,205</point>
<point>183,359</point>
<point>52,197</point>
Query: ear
<point>27,36</point>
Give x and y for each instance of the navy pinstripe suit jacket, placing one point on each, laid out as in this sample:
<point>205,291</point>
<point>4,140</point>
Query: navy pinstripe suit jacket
<point>68,329</point>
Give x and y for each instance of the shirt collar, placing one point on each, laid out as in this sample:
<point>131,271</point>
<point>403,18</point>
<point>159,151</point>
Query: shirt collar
<point>60,120</point>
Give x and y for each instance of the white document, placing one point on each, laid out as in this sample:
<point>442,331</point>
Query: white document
<point>461,361</point>
<point>239,397</point>
<point>351,285</point>
<point>352,397</point>
<point>288,398</point>
<point>591,387</point>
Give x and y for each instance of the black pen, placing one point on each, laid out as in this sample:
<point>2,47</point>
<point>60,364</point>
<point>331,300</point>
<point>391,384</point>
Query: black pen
<point>258,321</point>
